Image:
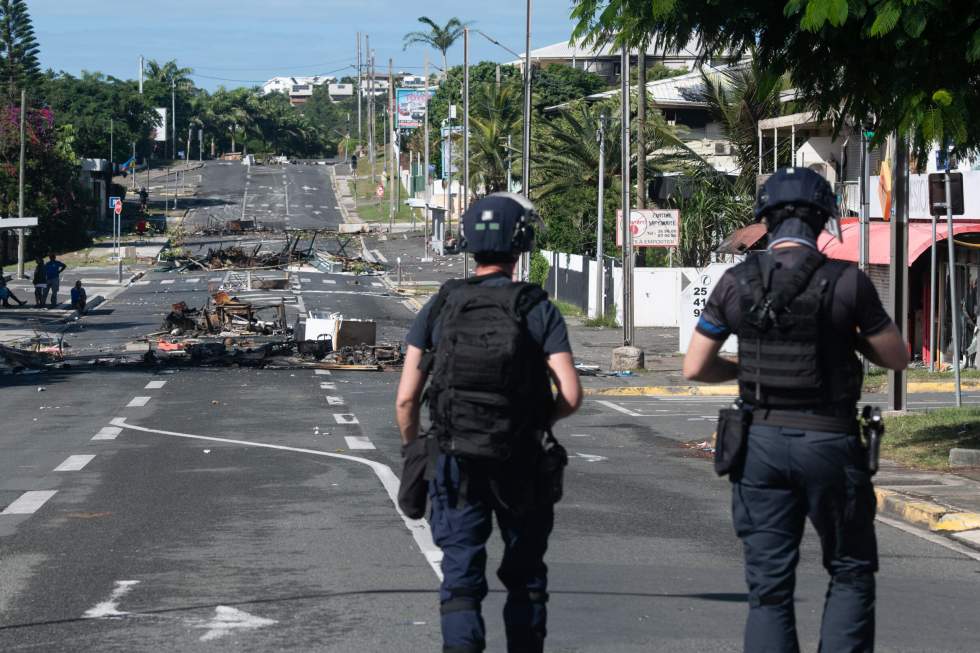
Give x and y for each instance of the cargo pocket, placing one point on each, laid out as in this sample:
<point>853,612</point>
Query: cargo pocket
<point>860,506</point>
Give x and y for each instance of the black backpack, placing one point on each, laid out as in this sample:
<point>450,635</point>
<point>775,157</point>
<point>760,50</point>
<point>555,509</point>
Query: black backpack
<point>489,391</point>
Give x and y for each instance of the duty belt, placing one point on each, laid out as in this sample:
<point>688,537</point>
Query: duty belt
<point>806,421</point>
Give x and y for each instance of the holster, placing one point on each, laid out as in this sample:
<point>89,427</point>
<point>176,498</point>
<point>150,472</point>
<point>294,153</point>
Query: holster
<point>413,491</point>
<point>731,440</point>
<point>551,470</point>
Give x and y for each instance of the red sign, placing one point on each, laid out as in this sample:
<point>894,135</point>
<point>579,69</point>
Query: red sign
<point>118,207</point>
<point>651,228</point>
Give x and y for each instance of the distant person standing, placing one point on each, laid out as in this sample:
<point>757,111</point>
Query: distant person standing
<point>6,294</point>
<point>78,297</point>
<point>53,269</point>
<point>40,282</point>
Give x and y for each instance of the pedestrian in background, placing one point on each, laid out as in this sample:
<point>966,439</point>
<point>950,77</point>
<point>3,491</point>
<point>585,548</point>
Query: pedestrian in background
<point>53,269</point>
<point>792,448</point>
<point>78,297</point>
<point>6,294</point>
<point>40,282</point>
<point>490,349</point>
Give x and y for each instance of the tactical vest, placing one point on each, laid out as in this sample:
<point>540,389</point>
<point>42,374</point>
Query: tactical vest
<point>790,357</point>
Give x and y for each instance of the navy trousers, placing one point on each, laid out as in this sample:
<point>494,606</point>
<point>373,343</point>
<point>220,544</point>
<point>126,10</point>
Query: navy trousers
<point>789,475</point>
<point>461,527</point>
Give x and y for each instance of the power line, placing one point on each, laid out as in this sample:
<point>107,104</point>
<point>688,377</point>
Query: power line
<point>279,67</point>
<point>263,81</point>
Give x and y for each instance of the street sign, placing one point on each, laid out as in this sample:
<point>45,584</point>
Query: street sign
<point>651,228</point>
<point>118,208</point>
<point>696,287</point>
<point>113,200</point>
<point>380,191</point>
<point>17,223</point>
<point>937,193</point>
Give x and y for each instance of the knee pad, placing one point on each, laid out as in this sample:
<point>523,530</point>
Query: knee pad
<point>461,599</point>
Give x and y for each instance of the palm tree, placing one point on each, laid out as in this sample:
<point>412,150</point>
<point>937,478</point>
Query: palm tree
<point>168,73</point>
<point>495,114</point>
<point>19,66</point>
<point>440,38</point>
<point>738,98</point>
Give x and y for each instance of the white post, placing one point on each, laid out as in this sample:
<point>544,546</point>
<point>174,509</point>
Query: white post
<point>428,187</point>
<point>600,270</point>
<point>627,233</point>
<point>525,266</point>
<point>954,306</point>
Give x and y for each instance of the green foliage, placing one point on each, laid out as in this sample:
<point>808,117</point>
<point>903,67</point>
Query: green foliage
<point>559,84</point>
<point>873,62</point>
<point>605,321</point>
<point>539,268</point>
<point>711,207</point>
<point>19,68</point>
<point>439,37</point>
<point>567,309</point>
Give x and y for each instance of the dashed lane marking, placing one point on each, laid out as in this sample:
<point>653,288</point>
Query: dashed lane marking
<point>334,400</point>
<point>332,282</point>
<point>29,502</point>
<point>154,385</point>
<point>308,280</point>
<point>141,283</point>
<point>74,463</point>
<point>328,385</point>
<point>345,418</point>
<point>166,282</point>
<point>322,372</point>
<point>377,285</point>
<point>107,433</point>
<point>625,411</point>
<point>419,528</point>
<point>360,442</point>
<point>194,280</point>
<point>110,608</point>
<point>138,402</point>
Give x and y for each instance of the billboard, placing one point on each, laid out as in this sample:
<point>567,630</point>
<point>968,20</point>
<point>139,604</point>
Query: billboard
<point>457,144</point>
<point>651,227</point>
<point>159,133</point>
<point>410,103</point>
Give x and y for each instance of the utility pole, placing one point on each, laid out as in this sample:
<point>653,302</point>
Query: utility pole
<point>359,140</point>
<point>600,269</point>
<point>428,188</point>
<point>141,74</point>
<point>134,166</point>
<point>20,186</point>
<point>933,283</point>
<point>370,107</point>
<point>465,201</point>
<point>898,286</point>
<point>393,171</point>
<point>173,130</point>
<point>510,165</point>
<point>641,127</point>
<point>110,145</point>
<point>627,233</point>
<point>449,174</point>
<point>864,216</point>
<point>525,267</point>
<point>953,303</point>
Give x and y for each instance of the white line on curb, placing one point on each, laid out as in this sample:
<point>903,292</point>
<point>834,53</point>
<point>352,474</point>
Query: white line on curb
<point>358,442</point>
<point>154,385</point>
<point>29,502</point>
<point>138,402</point>
<point>419,528</point>
<point>74,463</point>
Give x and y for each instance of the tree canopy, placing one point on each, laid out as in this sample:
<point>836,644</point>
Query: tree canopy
<point>19,67</point>
<point>906,65</point>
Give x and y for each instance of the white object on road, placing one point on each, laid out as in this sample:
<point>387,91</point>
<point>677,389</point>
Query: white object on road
<point>110,608</point>
<point>358,442</point>
<point>345,418</point>
<point>74,463</point>
<point>227,619</point>
<point>29,502</point>
<point>138,402</point>
<point>334,400</point>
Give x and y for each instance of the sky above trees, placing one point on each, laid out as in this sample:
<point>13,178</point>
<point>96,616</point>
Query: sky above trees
<point>244,42</point>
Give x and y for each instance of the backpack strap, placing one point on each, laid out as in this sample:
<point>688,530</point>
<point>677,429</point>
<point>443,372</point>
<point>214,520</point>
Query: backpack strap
<point>526,297</point>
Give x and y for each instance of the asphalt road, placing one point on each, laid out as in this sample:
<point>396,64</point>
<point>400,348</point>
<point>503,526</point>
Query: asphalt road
<point>227,509</point>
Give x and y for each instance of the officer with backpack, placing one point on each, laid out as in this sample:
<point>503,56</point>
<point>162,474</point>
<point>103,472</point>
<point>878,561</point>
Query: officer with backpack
<point>791,445</point>
<point>490,349</point>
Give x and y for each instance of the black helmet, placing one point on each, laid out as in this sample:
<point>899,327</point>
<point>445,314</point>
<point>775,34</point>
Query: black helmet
<point>502,223</point>
<point>802,193</point>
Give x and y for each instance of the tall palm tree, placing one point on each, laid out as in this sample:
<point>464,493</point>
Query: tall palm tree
<point>168,73</point>
<point>495,114</point>
<point>439,37</point>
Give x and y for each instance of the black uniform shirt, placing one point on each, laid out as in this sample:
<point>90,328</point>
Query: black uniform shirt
<point>545,324</point>
<point>856,304</point>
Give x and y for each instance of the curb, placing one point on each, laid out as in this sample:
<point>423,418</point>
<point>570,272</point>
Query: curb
<point>932,516</point>
<point>918,387</point>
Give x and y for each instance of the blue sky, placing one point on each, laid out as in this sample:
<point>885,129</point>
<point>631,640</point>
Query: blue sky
<point>248,41</point>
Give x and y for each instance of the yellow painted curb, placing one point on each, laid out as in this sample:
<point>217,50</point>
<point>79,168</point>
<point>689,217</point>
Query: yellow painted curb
<point>924,513</point>
<point>941,386</point>
<point>666,391</point>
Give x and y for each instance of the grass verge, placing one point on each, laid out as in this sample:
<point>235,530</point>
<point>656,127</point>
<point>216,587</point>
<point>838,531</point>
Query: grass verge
<point>567,309</point>
<point>608,320</point>
<point>877,378</point>
<point>924,440</point>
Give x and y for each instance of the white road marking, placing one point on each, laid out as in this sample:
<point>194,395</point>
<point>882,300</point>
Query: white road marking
<point>377,285</point>
<point>74,463</point>
<point>308,280</point>
<point>345,418</point>
<point>322,372</point>
<point>358,442</point>
<point>419,528</point>
<point>625,411</point>
<point>328,385</point>
<point>590,458</point>
<point>141,283</point>
<point>217,279</point>
<point>29,502</point>
<point>334,400</point>
<point>138,402</point>
<point>930,537</point>
<point>154,385</point>
<point>227,619</point>
<point>194,280</point>
<point>580,435</point>
<point>330,281</point>
<point>166,282</point>
<point>378,255</point>
<point>107,433</point>
<point>110,608</point>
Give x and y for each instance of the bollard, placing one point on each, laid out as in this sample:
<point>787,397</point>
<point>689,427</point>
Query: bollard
<point>399,260</point>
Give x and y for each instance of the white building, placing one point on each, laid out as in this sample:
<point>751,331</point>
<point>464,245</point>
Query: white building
<point>298,89</point>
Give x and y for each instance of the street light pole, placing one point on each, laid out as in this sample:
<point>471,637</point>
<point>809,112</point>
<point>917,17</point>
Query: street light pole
<point>393,163</point>
<point>627,233</point>
<point>173,131</point>
<point>428,188</point>
<point>464,202</point>
<point>20,186</point>
<point>600,270</point>
<point>359,141</point>
<point>953,304</point>
<point>525,268</point>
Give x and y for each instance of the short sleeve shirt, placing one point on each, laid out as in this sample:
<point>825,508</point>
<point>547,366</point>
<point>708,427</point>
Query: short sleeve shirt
<point>855,307</point>
<point>545,325</point>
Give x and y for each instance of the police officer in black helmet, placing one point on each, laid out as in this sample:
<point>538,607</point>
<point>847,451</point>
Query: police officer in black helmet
<point>799,318</point>
<point>490,349</point>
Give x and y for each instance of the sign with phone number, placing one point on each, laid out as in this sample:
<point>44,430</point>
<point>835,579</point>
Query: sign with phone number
<point>651,227</point>
<point>696,287</point>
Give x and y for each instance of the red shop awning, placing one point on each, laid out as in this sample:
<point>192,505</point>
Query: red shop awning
<point>920,239</point>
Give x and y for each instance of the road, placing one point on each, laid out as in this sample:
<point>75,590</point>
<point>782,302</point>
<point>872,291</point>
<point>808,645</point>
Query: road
<point>241,509</point>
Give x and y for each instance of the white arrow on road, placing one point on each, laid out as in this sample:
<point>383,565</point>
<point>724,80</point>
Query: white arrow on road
<point>308,188</point>
<point>590,458</point>
<point>227,619</point>
<point>110,608</point>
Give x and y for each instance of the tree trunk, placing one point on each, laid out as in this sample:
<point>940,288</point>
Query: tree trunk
<point>641,129</point>
<point>445,67</point>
